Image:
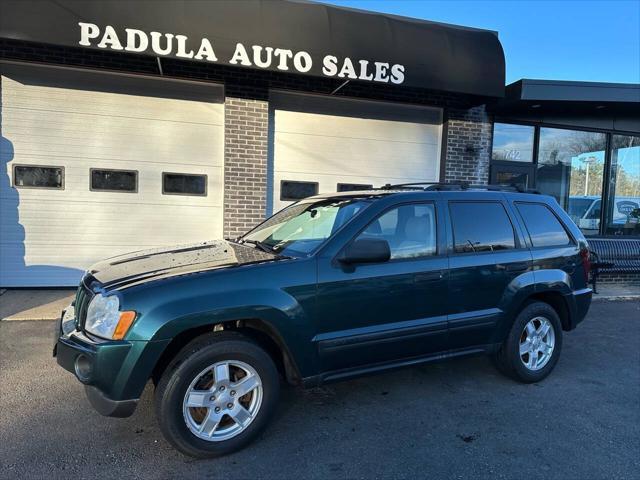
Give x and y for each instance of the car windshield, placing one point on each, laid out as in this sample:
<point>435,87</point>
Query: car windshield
<point>301,228</point>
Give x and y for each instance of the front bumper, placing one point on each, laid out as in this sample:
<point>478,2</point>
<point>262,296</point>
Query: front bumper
<point>106,368</point>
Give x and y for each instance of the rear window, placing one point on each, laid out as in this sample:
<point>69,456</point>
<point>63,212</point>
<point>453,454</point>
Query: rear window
<point>545,230</point>
<point>481,227</point>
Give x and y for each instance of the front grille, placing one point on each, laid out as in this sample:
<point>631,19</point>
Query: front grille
<point>84,295</point>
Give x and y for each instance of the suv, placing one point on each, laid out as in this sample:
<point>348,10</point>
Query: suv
<point>330,288</point>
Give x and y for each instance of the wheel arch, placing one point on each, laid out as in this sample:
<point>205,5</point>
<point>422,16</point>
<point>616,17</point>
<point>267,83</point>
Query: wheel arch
<point>254,328</point>
<point>557,301</point>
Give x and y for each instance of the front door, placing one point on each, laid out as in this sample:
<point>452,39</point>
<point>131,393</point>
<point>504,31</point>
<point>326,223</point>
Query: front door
<point>512,173</point>
<point>381,312</point>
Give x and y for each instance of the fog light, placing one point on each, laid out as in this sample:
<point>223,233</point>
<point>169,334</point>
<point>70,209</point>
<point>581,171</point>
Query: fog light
<point>83,368</point>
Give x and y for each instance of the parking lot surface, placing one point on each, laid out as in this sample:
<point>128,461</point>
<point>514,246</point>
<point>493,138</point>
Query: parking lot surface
<point>456,419</point>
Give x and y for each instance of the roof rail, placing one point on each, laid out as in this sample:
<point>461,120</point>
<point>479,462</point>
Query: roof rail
<point>457,186</point>
<point>408,186</point>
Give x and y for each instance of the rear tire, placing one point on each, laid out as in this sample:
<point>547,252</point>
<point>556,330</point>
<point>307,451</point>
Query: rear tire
<point>217,395</point>
<point>532,347</point>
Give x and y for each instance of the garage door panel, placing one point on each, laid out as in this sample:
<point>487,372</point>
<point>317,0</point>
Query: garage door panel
<point>328,183</point>
<point>140,226</point>
<point>149,134</point>
<point>197,141</point>
<point>330,149</point>
<point>49,237</point>
<point>313,124</point>
<point>91,103</point>
<point>77,183</point>
<point>351,156</point>
<point>23,120</point>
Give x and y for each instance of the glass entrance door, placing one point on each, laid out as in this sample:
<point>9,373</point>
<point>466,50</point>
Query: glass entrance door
<point>512,174</point>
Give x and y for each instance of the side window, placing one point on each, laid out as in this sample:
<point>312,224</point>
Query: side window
<point>481,227</point>
<point>409,229</point>
<point>545,230</point>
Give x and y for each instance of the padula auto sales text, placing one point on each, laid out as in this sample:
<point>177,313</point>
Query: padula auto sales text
<point>257,56</point>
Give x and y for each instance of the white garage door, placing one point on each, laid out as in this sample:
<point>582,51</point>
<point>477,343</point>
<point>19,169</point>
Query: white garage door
<point>326,144</point>
<point>81,171</point>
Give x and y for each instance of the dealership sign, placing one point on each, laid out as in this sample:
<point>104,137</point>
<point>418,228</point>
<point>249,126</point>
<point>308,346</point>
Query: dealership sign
<point>257,56</point>
<point>290,37</point>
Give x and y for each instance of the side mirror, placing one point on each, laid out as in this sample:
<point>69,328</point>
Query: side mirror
<point>366,250</point>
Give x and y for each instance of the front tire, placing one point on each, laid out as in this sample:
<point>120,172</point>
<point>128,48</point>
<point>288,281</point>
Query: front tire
<point>532,347</point>
<point>216,395</point>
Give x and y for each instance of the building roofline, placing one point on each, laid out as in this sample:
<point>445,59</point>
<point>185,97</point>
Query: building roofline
<point>572,91</point>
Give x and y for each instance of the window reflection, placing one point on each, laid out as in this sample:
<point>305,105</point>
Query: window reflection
<point>571,169</point>
<point>623,207</point>
<point>512,142</point>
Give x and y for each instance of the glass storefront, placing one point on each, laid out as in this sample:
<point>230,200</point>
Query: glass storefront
<point>575,167</point>
<point>571,169</point>
<point>623,208</point>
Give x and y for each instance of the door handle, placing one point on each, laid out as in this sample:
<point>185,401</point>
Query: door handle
<point>513,267</point>
<point>428,276</point>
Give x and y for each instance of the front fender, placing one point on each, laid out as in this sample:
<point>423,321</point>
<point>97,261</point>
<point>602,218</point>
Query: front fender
<point>281,295</point>
<point>281,312</point>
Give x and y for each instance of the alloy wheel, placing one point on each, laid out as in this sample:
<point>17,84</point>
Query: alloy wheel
<point>222,400</point>
<point>537,342</point>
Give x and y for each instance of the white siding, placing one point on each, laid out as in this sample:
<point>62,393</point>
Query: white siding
<point>331,149</point>
<point>48,237</point>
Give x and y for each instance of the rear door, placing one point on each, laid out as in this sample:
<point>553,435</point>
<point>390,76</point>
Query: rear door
<point>487,252</point>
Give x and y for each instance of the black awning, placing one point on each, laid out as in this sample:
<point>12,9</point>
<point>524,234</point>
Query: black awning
<point>282,36</point>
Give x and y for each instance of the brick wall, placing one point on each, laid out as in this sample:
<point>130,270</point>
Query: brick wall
<point>628,278</point>
<point>245,164</point>
<point>468,145</point>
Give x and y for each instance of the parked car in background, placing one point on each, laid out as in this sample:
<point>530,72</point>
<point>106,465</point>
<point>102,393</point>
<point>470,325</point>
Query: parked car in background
<point>330,288</point>
<point>585,212</point>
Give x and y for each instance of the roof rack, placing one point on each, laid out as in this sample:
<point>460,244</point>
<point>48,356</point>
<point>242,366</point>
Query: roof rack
<point>457,186</point>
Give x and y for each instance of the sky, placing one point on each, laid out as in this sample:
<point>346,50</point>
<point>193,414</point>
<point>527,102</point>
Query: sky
<point>587,40</point>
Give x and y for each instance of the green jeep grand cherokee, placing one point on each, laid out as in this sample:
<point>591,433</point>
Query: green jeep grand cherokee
<point>332,287</point>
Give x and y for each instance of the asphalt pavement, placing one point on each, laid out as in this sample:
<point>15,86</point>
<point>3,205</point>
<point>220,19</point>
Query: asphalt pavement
<point>456,419</point>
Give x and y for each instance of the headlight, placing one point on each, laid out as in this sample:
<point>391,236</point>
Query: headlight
<point>105,320</point>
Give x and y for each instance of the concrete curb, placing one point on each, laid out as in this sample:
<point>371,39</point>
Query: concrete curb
<point>615,298</point>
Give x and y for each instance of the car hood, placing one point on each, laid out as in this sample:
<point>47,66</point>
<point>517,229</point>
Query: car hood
<point>147,265</point>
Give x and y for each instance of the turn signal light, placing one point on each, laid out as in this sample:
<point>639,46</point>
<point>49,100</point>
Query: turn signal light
<point>126,319</point>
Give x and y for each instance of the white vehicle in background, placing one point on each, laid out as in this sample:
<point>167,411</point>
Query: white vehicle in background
<point>585,211</point>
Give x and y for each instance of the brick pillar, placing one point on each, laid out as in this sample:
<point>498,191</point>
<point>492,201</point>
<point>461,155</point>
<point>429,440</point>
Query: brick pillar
<point>468,145</point>
<point>245,164</point>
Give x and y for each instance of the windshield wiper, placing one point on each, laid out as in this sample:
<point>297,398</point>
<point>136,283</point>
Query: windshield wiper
<point>262,246</point>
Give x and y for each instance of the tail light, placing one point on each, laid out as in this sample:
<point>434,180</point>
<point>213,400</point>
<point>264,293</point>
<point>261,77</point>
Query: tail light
<point>586,263</point>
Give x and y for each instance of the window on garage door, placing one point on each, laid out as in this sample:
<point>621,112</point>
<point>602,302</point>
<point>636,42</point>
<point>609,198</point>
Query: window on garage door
<point>351,187</point>
<point>36,176</point>
<point>184,184</point>
<point>107,180</point>
<point>292,191</point>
